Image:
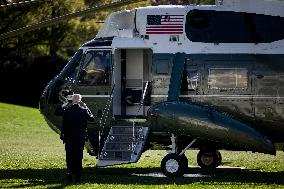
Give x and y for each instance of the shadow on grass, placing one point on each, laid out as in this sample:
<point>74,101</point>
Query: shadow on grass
<point>55,178</point>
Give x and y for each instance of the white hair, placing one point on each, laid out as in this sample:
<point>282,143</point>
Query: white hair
<point>76,98</point>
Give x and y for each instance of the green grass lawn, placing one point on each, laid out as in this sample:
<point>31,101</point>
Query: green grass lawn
<point>32,156</point>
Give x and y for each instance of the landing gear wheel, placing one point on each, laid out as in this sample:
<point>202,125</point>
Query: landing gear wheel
<point>209,159</point>
<point>174,165</point>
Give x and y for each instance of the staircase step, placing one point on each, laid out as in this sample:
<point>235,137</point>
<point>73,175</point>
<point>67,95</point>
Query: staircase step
<point>121,138</point>
<point>116,155</point>
<point>119,146</point>
<point>123,145</point>
<point>126,130</point>
<point>103,163</point>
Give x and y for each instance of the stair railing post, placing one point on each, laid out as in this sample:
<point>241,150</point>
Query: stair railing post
<point>140,106</point>
<point>143,98</point>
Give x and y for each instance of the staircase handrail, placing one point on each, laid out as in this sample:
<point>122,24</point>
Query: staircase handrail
<point>106,108</point>
<point>143,97</point>
<point>105,115</point>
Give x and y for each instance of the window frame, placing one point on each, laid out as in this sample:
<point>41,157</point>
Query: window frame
<point>82,64</point>
<point>161,80</point>
<point>228,90</point>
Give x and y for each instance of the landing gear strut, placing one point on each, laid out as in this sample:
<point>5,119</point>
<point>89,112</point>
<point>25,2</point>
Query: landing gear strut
<point>174,164</point>
<point>209,158</point>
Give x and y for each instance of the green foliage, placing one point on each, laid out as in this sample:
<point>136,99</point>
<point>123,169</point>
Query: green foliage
<point>32,156</point>
<point>31,44</point>
<point>57,39</point>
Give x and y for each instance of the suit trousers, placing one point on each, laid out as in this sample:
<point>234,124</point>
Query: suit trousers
<point>74,156</point>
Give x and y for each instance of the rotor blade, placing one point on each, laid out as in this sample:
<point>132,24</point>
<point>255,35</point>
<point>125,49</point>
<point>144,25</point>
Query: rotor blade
<point>65,17</point>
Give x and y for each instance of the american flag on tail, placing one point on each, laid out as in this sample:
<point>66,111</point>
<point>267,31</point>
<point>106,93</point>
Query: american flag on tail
<point>164,24</point>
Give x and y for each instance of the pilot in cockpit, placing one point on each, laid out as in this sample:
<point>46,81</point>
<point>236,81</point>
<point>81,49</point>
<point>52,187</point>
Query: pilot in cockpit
<point>96,74</point>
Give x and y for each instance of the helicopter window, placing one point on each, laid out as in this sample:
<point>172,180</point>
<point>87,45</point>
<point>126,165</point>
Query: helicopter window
<point>160,85</point>
<point>162,67</point>
<point>189,80</point>
<point>268,28</point>
<point>211,26</point>
<point>216,27</point>
<point>198,19</point>
<point>96,68</point>
<point>228,78</point>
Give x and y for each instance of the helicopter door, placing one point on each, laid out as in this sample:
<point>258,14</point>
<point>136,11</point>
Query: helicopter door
<point>131,75</point>
<point>94,81</point>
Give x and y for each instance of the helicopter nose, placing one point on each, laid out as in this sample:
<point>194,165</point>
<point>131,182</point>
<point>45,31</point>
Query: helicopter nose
<point>45,96</point>
<point>42,103</point>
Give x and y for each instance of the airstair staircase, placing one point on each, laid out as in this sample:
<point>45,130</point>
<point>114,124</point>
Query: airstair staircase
<point>124,144</point>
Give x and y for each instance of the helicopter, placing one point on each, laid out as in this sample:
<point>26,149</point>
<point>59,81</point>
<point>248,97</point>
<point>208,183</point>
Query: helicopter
<point>205,77</point>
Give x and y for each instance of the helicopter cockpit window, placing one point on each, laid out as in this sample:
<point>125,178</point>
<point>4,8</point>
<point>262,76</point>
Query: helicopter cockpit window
<point>96,68</point>
<point>228,78</point>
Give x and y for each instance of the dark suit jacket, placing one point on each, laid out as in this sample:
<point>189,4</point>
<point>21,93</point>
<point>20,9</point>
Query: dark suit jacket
<point>74,123</point>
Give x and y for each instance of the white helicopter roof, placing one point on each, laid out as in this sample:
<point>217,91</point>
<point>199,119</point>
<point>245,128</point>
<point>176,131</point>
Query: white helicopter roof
<point>118,24</point>
<point>122,24</point>
<point>130,34</point>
